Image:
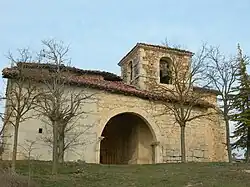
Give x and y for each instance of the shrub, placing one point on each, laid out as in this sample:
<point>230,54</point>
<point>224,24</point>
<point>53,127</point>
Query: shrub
<point>8,179</point>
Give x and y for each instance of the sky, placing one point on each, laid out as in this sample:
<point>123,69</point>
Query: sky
<point>100,33</point>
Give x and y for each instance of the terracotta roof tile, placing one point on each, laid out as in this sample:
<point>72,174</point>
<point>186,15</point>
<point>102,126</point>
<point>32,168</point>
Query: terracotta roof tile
<point>106,75</point>
<point>207,90</point>
<point>114,85</point>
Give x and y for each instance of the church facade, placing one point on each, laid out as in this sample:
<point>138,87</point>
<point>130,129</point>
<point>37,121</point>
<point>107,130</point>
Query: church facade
<point>124,125</point>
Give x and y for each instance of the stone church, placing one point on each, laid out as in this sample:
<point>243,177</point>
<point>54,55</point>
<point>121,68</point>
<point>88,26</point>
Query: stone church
<point>125,125</point>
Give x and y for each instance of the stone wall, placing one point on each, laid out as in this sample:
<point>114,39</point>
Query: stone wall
<point>144,145</point>
<point>29,131</point>
<point>205,137</point>
<point>146,69</point>
<point>147,61</point>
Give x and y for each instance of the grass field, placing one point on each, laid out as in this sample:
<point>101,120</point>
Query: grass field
<point>160,175</point>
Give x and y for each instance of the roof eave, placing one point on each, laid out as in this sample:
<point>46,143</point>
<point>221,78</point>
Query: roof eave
<point>188,53</point>
<point>128,54</point>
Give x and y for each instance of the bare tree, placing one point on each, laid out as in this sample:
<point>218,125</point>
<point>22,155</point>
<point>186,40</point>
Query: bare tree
<point>20,95</point>
<point>59,103</point>
<point>69,125</point>
<point>183,98</point>
<point>222,76</point>
<point>4,117</point>
<point>2,128</point>
<point>167,43</point>
<point>28,147</point>
<point>70,138</point>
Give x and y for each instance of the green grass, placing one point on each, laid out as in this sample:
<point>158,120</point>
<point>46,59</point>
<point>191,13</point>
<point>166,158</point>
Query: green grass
<point>159,175</point>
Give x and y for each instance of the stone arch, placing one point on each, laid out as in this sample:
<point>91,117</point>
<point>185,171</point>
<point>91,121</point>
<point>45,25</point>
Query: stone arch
<point>154,129</point>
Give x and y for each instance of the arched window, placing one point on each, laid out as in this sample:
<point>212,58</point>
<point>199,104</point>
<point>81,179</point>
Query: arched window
<point>165,71</point>
<point>130,70</point>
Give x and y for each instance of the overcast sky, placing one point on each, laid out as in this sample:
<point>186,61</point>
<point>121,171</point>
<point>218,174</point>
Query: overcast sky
<point>101,32</point>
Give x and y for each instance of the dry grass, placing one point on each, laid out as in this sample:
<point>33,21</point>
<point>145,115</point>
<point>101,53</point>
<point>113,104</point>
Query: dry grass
<point>9,179</point>
<point>159,175</point>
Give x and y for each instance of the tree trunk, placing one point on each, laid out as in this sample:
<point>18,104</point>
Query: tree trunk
<point>14,152</point>
<point>183,146</point>
<point>29,177</point>
<point>55,148</point>
<point>248,145</point>
<point>229,149</point>
<point>61,146</point>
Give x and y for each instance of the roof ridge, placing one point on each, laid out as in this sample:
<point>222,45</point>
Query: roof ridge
<point>165,47</point>
<point>34,65</point>
<point>142,44</point>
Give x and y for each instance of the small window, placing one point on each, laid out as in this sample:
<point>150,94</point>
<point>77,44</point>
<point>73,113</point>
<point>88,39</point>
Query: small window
<point>40,130</point>
<point>130,71</point>
<point>165,71</point>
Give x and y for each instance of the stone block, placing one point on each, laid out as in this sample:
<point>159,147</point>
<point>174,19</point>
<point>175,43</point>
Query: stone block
<point>205,154</point>
<point>190,153</point>
<point>169,152</point>
<point>198,153</point>
<point>190,158</point>
<point>177,158</point>
<point>176,153</point>
<point>195,159</point>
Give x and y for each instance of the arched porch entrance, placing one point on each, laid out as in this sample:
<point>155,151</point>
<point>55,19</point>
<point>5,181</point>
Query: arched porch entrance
<point>127,140</point>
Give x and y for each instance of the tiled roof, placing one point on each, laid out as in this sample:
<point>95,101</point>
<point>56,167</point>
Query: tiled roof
<point>165,47</point>
<point>155,47</point>
<point>207,90</point>
<point>106,75</point>
<point>114,86</point>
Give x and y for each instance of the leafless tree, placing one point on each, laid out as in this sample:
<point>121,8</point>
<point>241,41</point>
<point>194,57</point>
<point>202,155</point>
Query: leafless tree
<point>2,118</point>
<point>222,76</point>
<point>70,138</point>
<point>5,120</point>
<point>58,103</point>
<point>2,128</point>
<point>20,95</point>
<point>182,96</point>
<point>167,43</point>
<point>28,147</point>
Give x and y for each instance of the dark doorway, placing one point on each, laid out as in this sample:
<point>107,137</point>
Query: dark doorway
<point>127,140</point>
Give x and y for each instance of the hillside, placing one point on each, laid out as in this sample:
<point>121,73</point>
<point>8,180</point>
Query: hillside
<point>160,175</point>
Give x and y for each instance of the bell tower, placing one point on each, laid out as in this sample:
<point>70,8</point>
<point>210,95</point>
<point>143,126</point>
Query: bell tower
<point>146,65</point>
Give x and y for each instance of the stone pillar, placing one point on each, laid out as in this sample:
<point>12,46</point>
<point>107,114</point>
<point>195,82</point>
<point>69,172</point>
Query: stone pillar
<point>134,145</point>
<point>156,152</point>
<point>98,148</point>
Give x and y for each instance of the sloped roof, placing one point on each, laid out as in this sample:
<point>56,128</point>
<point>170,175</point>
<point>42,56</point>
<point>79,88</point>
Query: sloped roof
<point>106,75</point>
<point>111,82</point>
